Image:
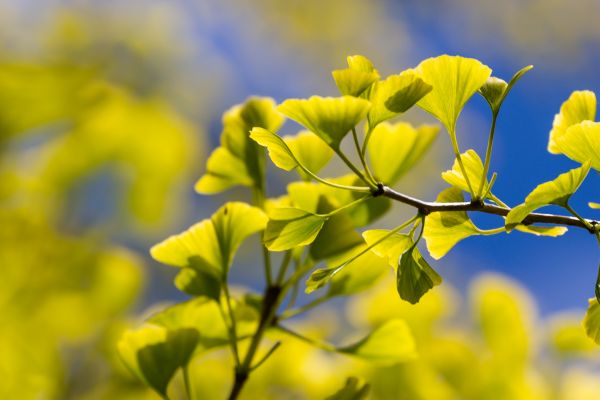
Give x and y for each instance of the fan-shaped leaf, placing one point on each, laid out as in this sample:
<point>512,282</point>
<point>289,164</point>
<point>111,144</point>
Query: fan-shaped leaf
<point>581,142</point>
<point>557,192</point>
<point>579,107</point>
<point>474,170</point>
<point>309,150</point>
<point>454,79</point>
<point>279,152</point>
<point>291,227</point>
<point>395,149</point>
<point>331,118</point>
<point>391,248</point>
<point>415,277</point>
<point>591,322</point>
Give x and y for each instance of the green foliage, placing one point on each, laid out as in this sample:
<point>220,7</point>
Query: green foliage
<point>322,229</point>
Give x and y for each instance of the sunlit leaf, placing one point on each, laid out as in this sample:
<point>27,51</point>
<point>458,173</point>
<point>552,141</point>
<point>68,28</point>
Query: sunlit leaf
<point>415,277</point>
<point>331,118</point>
<point>390,343</point>
<point>353,82</point>
<point>319,278</point>
<point>474,169</point>
<point>239,160</point>
<point>354,389</point>
<point>495,89</point>
<point>551,231</point>
<point>454,79</point>
<point>309,150</point>
<point>199,279</point>
<point>396,148</point>
<point>394,96</point>
<point>279,152</point>
<point>360,63</point>
<point>214,240</point>
<point>291,227</point>
<point>579,107</point>
<point>591,322</point>
<point>391,248</point>
<point>557,192</point>
<point>154,353</point>
<point>581,143</point>
<point>443,230</point>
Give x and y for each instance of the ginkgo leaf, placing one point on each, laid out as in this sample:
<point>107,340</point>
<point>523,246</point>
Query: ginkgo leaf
<point>200,279</point>
<point>291,227</point>
<point>309,150</point>
<point>390,343</point>
<point>551,231</point>
<point>415,276</point>
<point>353,389</point>
<point>474,169</point>
<point>213,240</point>
<point>394,96</point>
<point>581,143</point>
<point>154,353</point>
<point>331,118</point>
<point>396,148</point>
<point>593,205</point>
<point>443,230</point>
<point>391,248</point>
<point>557,192</point>
<point>495,90</point>
<point>279,152</point>
<point>591,321</point>
<point>353,82</point>
<point>238,161</point>
<point>579,107</point>
<point>360,63</point>
<point>321,277</point>
<point>454,79</point>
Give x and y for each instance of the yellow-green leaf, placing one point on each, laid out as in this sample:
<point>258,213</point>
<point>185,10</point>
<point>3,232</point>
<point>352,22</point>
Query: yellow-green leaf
<point>579,107</point>
<point>391,248</point>
<point>474,169</point>
<point>360,63</point>
<point>593,205</point>
<point>279,152</point>
<point>365,271</point>
<point>291,227</point>
<point>239,160</point>
<point>552,231</point>
<point>353,82</point>
<point>495,90</point>
<point>394,96</point>
<point>454,79</point>
<point>557,192</point>
<point>331,118</point>
<point>213,240</point>
<point>581,143</point>
<point>154,353</point>
<point>415,276</point>
<point>443,230</point>
<point>309,150</point>
<point>396,148</point>
<point>390,343</point>
<point>591,322</point>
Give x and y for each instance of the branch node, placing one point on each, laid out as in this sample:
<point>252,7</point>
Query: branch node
<point>477,203</point>
<point>379,191</point>
<point>424,211</point>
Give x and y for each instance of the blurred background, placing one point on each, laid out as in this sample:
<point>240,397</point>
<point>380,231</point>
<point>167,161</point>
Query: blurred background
<point>108,110</point>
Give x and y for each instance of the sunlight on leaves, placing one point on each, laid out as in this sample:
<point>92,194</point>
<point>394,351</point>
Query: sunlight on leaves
<point>238,161</point>
<point>443,230</point>
<point>474,169</point>
<point>291,227</point>
<point>394,96</point>
<point>395,148</point>
<point>331,118</point>
<point>557,192</point>
<point>279,152</point>
<point>581,143</point>
<point>579,107</point>
<point>454,79</point>
<point>213,240</point>
<point>310,151</point>
<point>391,248</point>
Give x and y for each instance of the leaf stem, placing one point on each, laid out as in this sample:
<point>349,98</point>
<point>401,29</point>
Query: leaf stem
<point>350,165</point>
<point>317,343</point>
<point>488,155</point>
<point>362,157</point>
<point>456,150</point>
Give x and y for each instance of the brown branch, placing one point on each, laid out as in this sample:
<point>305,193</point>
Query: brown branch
<point>427,207</point>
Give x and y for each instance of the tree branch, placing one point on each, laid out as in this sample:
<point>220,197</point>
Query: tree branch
<point>427,207</point>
